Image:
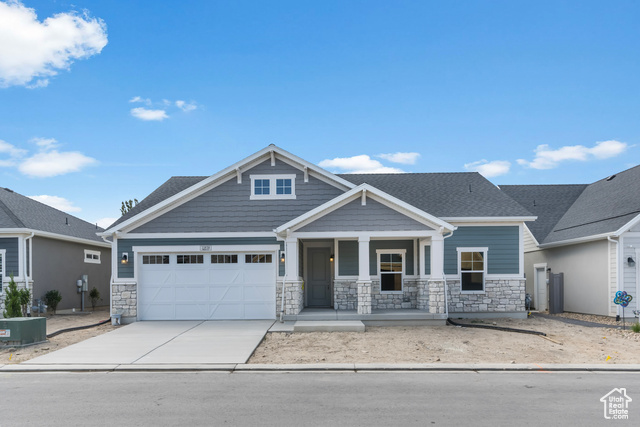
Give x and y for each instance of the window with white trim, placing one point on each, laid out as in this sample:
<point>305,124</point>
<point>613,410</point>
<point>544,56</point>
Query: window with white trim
<point>270,187</point>
<point>190,259</point>
<point>155,259</point>
<point>224,259</point>
<point>391,269</point>
<point>472,264</point>
<point>92,257</point>
<point>258,259</point>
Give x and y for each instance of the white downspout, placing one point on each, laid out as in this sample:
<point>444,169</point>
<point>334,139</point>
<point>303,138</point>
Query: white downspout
<point>110,278</point>
<point>26,257</point>
<point>617,269</point>
<point>446,285</point>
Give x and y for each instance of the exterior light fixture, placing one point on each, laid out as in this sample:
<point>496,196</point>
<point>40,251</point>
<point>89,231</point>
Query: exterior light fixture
<point>331,258</point>
<point>282,256</point>
<point>125,258</point>
<point>631,262</point>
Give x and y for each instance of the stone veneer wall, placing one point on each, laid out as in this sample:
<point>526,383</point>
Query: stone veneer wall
<point>293,297</point>
<point>124,299</point>
<point>345,294</point>
<point>407,299</point>
<point>501,295</point>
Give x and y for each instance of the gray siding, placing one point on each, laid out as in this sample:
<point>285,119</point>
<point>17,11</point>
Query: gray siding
<point>390,244</point>
<point>125,245</point>
<point>373,216</point>
<point>59,264</point>
<point>348,258</point>
<point>502,241</point>
<point>348,255</point>
<point>11,262</point>
<point>228,208</point>
<point>427,260</point>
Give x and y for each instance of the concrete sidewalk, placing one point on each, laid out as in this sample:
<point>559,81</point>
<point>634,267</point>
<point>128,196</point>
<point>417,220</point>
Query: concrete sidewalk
<point>322,367</point>
<point>164,343</point>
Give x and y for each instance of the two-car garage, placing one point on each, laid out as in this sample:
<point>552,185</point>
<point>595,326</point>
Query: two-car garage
<point>202,286</point>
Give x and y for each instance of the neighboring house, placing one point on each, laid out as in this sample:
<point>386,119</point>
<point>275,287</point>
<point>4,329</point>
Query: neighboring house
<point>591,233</point>
<point>223,246</point>
<point>51,249</point>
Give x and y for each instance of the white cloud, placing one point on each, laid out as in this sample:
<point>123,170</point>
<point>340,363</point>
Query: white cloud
<point>31,51</point>
<point>489,169</point>
<point>45,143</point>
<point>547,158</point>
<point>148,115</point>
<point>12,151</point>
<point>105,222</point>
<point>146,101</point>
<point>53,163</point>
<point>358,164</point>
<point>403,158</point>
<point>59,203</point>
<point>186,107</point>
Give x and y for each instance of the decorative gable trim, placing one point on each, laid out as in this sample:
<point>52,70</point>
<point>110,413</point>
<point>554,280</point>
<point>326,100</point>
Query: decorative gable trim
<point>271,152</point>
<point>365,190</point>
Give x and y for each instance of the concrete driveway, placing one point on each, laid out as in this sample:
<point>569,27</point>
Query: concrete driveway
<point>165,342</point>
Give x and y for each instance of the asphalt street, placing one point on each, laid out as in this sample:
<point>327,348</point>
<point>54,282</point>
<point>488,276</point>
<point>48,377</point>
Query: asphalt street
<point>316,399</point>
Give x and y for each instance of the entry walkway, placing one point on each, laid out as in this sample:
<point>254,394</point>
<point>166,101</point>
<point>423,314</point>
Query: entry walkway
<point>165,342</point>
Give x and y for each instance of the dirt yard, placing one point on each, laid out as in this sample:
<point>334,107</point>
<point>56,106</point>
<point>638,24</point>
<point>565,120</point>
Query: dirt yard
<point>565,343</point>
<point>56,322</point>
<point>420,344</point>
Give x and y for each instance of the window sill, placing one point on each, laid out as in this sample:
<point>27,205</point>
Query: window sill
<point>473,292</point>
<point>273,197</point>
<point>391,292</point>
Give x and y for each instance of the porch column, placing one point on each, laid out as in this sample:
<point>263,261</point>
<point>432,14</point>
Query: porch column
<point>423,285</point>
<point>294,292</point>
<point>364,277</point>
<point>436,282</point>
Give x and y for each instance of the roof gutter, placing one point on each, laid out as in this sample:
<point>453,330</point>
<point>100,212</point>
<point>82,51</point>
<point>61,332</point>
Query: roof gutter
<point>577,240</point>
<point>49,235</point>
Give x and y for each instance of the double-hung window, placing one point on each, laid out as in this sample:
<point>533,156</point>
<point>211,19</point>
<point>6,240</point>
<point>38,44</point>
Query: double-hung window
<point>391,267</point>
<point>473,268</point>
<point>269,187</point>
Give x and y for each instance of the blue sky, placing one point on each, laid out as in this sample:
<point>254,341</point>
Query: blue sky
<point>103,101</point>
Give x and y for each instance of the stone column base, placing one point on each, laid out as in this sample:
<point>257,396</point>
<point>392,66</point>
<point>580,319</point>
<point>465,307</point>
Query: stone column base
<point>364,296</point>
<point>293,296</point>
<point>423,295</point>
<point>436,297</point>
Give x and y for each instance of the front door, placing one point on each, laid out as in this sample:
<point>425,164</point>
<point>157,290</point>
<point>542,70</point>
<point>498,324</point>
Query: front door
<point>318,277</point>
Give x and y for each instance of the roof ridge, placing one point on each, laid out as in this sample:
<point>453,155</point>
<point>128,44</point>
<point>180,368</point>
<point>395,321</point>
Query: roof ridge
<point>11,215</point>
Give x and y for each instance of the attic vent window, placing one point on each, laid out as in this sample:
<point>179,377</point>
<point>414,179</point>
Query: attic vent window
<point>609,178</point>
<point>270,187</point>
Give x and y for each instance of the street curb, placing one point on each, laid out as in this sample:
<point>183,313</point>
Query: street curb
<point>322,367</point>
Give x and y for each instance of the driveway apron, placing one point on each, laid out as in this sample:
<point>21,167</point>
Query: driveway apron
<point>166,342</point>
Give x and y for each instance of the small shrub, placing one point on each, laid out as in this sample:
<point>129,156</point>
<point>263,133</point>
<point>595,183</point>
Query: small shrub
<point>94,296</point>
<point>52,298</point>
<point>636,327</point>
<point>12,300</point>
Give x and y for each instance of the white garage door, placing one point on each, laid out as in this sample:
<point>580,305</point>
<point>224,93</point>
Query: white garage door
<point>206,286</point>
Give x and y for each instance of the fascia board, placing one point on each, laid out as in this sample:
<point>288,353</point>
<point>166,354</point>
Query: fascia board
<point>225,173</point>
<point>576,241</point>
<point>489,218</point>
<point>628,226</point>
<point>27,231</point>
<point>532,236</point>
<point>339,201</point>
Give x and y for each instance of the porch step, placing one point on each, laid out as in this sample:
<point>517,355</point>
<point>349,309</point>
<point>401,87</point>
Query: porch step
<point>328,326</point>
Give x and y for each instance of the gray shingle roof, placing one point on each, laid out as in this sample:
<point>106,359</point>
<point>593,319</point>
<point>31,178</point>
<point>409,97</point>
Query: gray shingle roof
<point>18,211</point>
<point>584,210</point>
<point>171,187</point>
<point>445,195</point>
<point>548,202</point>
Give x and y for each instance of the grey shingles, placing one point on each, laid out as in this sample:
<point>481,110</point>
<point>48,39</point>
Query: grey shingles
<point>18,211</point>
<point>465,194</point>
<point>587,210</point>
<point>548,202</point>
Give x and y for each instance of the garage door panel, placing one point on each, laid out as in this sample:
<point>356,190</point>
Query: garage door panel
<point>207,291</point>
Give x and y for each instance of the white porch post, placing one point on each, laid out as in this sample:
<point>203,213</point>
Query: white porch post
<point>364,277</point>
<point>294,293</point>
<point>436,282</point>
<point>423,285</point>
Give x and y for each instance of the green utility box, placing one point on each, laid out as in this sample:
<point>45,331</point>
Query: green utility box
<point>23,330</point>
